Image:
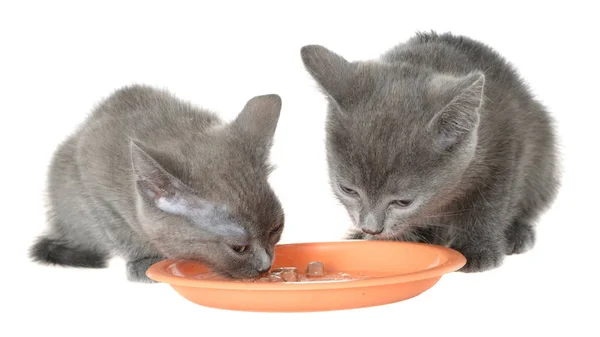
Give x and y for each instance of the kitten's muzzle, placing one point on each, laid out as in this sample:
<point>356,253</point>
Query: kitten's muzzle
<point>371,225</point>
<point>263,260</point>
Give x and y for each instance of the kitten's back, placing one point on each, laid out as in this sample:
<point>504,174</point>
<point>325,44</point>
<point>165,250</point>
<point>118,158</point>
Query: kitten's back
<point>448,53</point>
<point>506,93</point>
<point>136,99</point>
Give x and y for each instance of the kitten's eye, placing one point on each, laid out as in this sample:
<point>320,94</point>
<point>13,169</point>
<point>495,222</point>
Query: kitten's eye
<point>348,190</point>
<point>239,249</point>
<point>401,203</point>
<point>276,229</point>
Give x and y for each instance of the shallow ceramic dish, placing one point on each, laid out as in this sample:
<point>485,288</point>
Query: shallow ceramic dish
<point>389,272</point>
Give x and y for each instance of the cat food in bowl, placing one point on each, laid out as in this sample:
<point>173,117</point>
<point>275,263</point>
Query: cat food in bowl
<point>315,269</point>
<point>314,273</point>
<point>286,274</point>
<point>318,276</point>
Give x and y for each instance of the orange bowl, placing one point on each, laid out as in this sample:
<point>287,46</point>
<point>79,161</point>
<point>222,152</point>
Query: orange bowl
<point>393,271</point>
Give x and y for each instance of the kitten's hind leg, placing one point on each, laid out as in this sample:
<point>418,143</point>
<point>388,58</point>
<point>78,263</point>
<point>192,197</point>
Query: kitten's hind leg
<point>59,252</point>
<point>520,237</point>
<point>136,269</point>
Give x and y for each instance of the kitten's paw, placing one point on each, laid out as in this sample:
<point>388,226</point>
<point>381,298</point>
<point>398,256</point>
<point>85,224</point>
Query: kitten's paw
<point>482,261</point>
<point>520,237</point>
<point>136,270</point>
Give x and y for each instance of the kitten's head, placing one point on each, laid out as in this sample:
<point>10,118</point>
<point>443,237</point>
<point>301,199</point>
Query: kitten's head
<point>207,197</point>
<point>399,136</point>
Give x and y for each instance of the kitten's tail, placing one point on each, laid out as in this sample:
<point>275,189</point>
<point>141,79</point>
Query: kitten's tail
<point>56,252</point>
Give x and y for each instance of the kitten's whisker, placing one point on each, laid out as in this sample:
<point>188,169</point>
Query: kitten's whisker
<point>441,240</point>
<point>437,225</point>
<point>463,211</point>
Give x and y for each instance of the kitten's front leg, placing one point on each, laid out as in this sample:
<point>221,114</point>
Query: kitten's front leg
<point>482,245</point>
<point>136,269</point>
<point>481,259</point>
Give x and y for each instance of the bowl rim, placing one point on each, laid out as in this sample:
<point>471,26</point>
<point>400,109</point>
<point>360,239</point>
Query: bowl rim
<point>455,260</point>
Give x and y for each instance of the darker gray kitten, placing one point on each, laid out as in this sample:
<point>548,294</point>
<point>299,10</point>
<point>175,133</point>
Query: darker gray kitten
<point>149,177</point>
<point>438,141</point>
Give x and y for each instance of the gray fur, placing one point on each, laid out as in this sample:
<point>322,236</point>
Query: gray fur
<point>148,177</point>
<point>445,122</point>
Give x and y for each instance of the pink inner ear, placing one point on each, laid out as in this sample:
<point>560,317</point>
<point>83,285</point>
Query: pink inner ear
<point>165,195</point>
<point>155,191</point>
<point>156,185</point>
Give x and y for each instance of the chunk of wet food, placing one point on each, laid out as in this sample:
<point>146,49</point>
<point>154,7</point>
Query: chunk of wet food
<point>287,274</point>
<point>315,269</point>
<point>314,272</point>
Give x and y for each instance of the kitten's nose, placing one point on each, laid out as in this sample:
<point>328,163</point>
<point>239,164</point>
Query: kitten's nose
<point>265,262</point>
<point>371,225</point>
<point>375,232</point>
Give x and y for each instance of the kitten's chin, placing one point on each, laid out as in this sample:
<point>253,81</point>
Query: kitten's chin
<point>221,272</point>
<point>385,235</point>
<point>237,276</point>
<point>388,236</point>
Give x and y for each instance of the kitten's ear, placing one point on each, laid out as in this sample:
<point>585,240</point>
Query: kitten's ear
<point>260,116</point>
<point>333,73</point>
<point>155,185</point>
<point>460,116</point>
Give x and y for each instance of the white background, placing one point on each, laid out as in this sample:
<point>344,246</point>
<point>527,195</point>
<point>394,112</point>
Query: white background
<point>57,60</point>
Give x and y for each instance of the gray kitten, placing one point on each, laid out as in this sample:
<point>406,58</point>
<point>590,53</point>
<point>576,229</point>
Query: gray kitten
<point>148,177</point>
<point>438,141</point>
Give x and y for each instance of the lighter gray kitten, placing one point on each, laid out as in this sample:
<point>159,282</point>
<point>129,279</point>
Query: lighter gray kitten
<point>149,177</point>
<point>438,141</point>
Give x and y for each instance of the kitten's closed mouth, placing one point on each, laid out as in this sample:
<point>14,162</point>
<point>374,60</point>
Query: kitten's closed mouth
<point>381,236</point>
<point>386,236</point>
